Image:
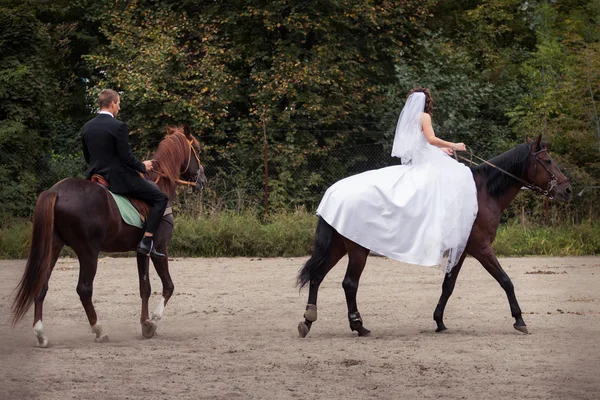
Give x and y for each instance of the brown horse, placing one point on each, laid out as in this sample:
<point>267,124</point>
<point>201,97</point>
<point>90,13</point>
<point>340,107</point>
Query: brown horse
<point>498,182</point>
<point>83,215</point>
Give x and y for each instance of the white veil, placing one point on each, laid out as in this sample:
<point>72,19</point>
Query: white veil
<point>409,127</point>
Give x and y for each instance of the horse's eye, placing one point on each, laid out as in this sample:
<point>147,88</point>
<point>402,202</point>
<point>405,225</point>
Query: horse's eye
<point>548,162</point>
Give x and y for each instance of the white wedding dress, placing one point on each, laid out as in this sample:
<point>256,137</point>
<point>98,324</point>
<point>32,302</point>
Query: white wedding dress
<point>412,213</point>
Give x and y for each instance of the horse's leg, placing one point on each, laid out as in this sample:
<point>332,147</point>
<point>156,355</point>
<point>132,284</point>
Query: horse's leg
<point>161,265</point>
<point>357,259</point>
<point>38,326</point>
<point>143,264</point>
<point>336,252</point>
<point>487,258</point>
<point>88,264</point>
<point>447,289</point>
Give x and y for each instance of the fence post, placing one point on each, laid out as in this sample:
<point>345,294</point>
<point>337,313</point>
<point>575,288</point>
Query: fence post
<point>266,164</point>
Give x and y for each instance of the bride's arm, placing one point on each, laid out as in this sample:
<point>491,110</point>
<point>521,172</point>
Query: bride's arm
<point>432,139</point>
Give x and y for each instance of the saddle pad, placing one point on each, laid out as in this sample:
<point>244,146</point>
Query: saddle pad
<point>130,215</point>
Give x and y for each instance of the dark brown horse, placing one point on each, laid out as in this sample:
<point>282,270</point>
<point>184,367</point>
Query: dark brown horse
<point>83,215</point>
<point>529,164</point>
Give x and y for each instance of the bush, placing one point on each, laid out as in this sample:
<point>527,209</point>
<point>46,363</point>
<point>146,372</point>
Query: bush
<point>229,235</point>
<point>14,239</point>
<point>575,240</point>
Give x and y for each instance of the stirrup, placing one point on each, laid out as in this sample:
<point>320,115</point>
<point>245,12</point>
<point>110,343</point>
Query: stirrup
<point>151,251</point>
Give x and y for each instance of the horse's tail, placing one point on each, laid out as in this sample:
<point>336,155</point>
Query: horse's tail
<point>320,255</point>
<point>37,271</point>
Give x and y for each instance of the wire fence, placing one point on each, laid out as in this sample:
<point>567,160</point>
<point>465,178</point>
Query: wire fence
<point>279,183</point>
<point>248,186</point>
<point>283,181</point>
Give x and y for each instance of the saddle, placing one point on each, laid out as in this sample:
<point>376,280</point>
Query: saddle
<point>133,211</point>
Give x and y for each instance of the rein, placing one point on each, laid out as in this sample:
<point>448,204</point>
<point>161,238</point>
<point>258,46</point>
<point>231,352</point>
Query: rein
<point>180,181</point>
<point>545,192</point>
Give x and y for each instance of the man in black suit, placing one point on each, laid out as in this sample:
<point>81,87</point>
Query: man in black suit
<point>107,152</point>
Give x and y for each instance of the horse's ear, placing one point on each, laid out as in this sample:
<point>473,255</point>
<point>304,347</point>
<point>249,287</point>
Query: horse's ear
<point>187,131</point>
<point>169,130</point>
<point>535,144</point>
<point>528,139</point>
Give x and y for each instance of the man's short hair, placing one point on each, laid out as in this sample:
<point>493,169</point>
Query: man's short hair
<point>106,97</point>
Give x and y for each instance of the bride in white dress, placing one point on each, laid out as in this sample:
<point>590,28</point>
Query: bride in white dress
<point>414,212</point>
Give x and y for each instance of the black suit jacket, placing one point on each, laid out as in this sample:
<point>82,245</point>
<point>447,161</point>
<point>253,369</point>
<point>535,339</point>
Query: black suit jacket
<point>107,152</point>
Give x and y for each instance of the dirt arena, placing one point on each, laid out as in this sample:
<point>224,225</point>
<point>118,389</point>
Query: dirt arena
<point>229,332</point>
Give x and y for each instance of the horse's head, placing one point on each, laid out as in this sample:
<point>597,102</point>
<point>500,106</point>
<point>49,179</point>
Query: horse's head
<point>177,156</point>
<point>544,172</point>
<point>193,171</point>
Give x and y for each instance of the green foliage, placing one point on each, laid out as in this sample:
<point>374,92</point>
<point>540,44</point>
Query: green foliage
<point>38,100</point>
<point>469,106</point>
<point>306,72</point>
<point>514,240</point>
<point>168,68</point>
<point>24,91</point>
<point>497,33</point>
<point>321,82</point>
<point>563,88</point>
<point>18,181</point>
<point>244,235</point>
<point>15,239</point>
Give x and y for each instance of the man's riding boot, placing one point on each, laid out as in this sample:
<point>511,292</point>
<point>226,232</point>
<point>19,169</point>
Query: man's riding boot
<point>146,247</point>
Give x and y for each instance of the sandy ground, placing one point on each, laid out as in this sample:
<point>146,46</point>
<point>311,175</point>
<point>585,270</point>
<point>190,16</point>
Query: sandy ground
<point>229,332</point>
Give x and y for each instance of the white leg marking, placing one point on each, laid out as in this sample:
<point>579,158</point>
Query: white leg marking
<point>158,313</point>
<point>101,337</point>
<point>38,331</point>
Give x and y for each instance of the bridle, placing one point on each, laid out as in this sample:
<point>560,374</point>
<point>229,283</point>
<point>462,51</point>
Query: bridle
<point>554,182</point>
<point>180,181</point>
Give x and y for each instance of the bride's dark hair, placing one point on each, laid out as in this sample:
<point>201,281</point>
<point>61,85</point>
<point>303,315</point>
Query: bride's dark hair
<point>428,98</point>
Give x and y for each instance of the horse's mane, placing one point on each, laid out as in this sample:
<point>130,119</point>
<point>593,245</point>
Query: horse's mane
<point>171,153</point>
<point>513,161</point>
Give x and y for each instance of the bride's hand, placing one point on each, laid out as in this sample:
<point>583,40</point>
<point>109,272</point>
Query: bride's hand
<point>460,147</point>
<point>448,151</point>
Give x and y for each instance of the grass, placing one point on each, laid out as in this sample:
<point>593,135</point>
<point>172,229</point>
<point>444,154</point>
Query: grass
<point>14,239</point>
<point>230,234</point>
<point>575,240</point>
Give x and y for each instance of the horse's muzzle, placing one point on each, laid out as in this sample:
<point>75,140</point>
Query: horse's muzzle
<point>200,182</point>
<point>563,192</point>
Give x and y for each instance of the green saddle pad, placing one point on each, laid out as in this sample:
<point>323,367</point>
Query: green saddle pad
<point>130,215</point>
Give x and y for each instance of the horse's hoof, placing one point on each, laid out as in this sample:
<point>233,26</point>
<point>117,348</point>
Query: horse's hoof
<point>358,327</point>
<point>363,331</point>
<point>441,328</point>
<point>311,313</point>
<point>521,328</point>
<point>43,344</point>
<point>149,329</point>
<point>102,338</point>
<point>303,330</point>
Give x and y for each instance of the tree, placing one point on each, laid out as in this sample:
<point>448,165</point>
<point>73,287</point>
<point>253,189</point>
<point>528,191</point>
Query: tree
<point>312,70</point>
<point>42,104</point>
<point>563,87</point>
